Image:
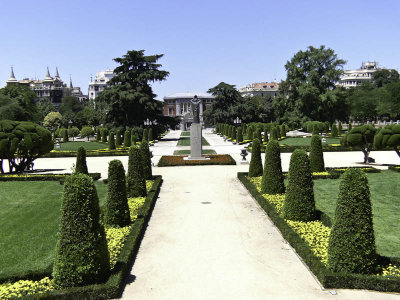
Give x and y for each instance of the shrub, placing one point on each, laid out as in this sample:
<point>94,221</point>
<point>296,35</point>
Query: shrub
<point>118,139</point>
<point>249,133</point>
<point>134,139</point>
<point>274,134</point>
<point>266,134</point>
<point>350,127</point>
<point>278,132</point>
<point>239,137</point>
<point>146,160</point>
<point>116,208</point>
<point>315,130</point>
<point>111,141</point>
<point>87,131</point>
<point>65,135</point>
<point>257,134</point>
<point>150,135</point>
<point>310,127</point>
<point>352,244</point>
<point>316,155</point>
<point>127,138</point>
<point>80,166</point>
<point>136,184</point>
<point>283,131</point>
<point>255,168</point>
<point>299,201</point>
<point>272,180</point>
<point>82,256</point>
<point>145,135</point>
<point>104,133</point>
<point>98,135</point>
<point>73,132</point>
<point>334,132</point>
<point>340,128</point>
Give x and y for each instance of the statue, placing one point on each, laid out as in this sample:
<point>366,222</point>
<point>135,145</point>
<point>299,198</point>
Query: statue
<point>196,109</point>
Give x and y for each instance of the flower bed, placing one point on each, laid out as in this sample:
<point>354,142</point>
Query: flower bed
<point>123,245</point>
<point>177,160</point>
<point>41,177</point>
<point>394,168</point>
<point>310,240</point>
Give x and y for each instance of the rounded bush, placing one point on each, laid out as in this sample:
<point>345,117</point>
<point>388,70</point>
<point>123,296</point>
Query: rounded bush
<point>334,131</point>
<point>111,141</point>
<point>299,202</point>
<point>255,168</point>
<point>352,243</point>
<point>316,155</point>
<point>136,183</point>
<point>81,166</point>
<point>315,130</point>
<point>272,180</point>
<point>116,208</point>
<point>127,138</point>
<point>81,256</point>
<point>146,160</point>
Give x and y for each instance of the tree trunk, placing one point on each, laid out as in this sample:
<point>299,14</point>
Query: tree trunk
<point>1,166</point>
<point>366,154</point>
<point>397,151</point>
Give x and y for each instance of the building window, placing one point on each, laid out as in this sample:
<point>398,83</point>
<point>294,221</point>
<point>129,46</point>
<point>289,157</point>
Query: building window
<point>170,111</point>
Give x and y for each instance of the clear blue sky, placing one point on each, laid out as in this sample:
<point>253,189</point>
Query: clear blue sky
<point>203,42</point>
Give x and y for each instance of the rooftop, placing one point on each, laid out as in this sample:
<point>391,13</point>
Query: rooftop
<point>189,95</point>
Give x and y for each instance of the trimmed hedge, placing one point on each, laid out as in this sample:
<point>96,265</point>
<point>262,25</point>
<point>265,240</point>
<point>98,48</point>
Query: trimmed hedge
<point>316,155</point>
<point>80,166</point>
<point>146,160</point>
<point>136,183</point>
<point>255,168</point>
<point>42,177</point>
<point>326,277</point>
<point>272,180</point>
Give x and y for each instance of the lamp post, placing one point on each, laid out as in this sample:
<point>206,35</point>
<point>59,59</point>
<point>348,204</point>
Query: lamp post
<point>237,121</point>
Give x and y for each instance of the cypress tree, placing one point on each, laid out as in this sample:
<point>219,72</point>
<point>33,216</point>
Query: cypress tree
<point>81,256</point>
<point>80,166</point>
<point>255,168</point>
<point>134,139</point>
<point>265,134</point>
<point>249,133</point>
<point>278,132</point>
<point>272,180</point>
<point>111,141</point>
<point>136,184</point>
<point>334,132</point>
<point>274,134</point>
<point>299,202</point>
<point>283,131</point>
<point>98,134</point>
<point>116,208</point>
<point>145,135</point>
<point>118,139</point>
<point>146,160</point>
<point>340,128</point>
<point>127,139</point>
<point>65,135</point>
<point>350,126</point>
<point>239,138</point>
<point>150,136</point>
<point>351,246</point>
<point>104,135</point>
<point>315,130</point>
<point>316,155</point>
<point>257,134</point>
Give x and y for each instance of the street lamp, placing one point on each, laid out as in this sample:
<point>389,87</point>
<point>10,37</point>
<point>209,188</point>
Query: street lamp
<point>237,121</point>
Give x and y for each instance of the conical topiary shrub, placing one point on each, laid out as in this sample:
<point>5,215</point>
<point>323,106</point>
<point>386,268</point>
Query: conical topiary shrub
<point>80,166</point>
<point>98,135</point>
<point>315,130</point>
<point>134,139</point>
<point>65,135</point>
<point>283,131</point>
<point>111,141</point>
<point>249,135</point>
<point>265,134</point>
<point>255,168</point>
<point>81,256</point>
<point>299,202</point>
<point>239,137</point>
<point>146,160</point>
<point>116,211</point>
<point>316,155</point>
<point>334,132</point>
<point>352,243</point>
<point>118,139</point>
<point>272,180</point>
<point>340,128</point>
<point>257,134</point>
<point>127,139</point>
<point>150,135</point>
<point>104,133</point>
<point>350,127</point>
<point>274,134</point>
<point>278,132</point>
<point>145,135</point>
<point>135,181</point>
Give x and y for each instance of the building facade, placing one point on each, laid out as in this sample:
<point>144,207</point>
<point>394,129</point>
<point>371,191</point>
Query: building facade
<point>99,83</point>
<point>353,78</point>
<point>270,89</point>
<point>179,104</point>
<point>52,88</point>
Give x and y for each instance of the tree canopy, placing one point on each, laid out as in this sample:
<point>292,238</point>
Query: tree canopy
<point>18,103</point>
<point>384,76</point>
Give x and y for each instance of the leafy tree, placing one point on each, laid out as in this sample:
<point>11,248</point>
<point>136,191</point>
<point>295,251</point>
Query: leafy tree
<point>73,132</point>
<point>388,101</point>
<point>351,246</point>
<point>116,211</point>
<point>384,76</point>
<point>388,137</point>
<point>272,180</point>
<point>87,132</point>
<point>53,120</point>
<point>81,166</point>
<point>82,256</point>
<point>221,110</point>
<point>255,168</point>
<point>45,106</point>
<point>310,75</point>
<point>19,102</point>
<point>364,100</point>
<point>130,94</point>
<point>70,107</point>
<point>136,183</point>
<point>21,143</point>
<point>299,202</point>
<point>361,136</point>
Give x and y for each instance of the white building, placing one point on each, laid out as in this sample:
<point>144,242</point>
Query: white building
<point>353,78</point>
<point>99,83</point>
<point>260,89</point>
<point>179,104</point>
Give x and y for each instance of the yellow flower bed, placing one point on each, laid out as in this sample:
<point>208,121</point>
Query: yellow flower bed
<point>315,234</point>
<point>30,175</point>
<point>390,271</point>
<point>115,241</point>
<point>320,173</point>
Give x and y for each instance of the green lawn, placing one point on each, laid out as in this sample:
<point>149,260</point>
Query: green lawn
<point>184,140</point>
<point>186,152</point>
<point>306,141</point>
<point>73,146</point>
<point>385,191</point>
<point>29,222</point>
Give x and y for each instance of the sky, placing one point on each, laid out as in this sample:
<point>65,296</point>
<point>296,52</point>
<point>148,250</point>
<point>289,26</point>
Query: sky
<point>203,42</point>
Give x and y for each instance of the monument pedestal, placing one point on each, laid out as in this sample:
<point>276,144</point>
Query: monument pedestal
<point>196,143</point>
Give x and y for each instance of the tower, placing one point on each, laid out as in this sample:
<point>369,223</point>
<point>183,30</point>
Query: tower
<point>12,79</point>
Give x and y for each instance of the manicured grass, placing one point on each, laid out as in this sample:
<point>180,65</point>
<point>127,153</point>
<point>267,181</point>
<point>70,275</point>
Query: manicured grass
<point>185,152</point>
<point>29,222</point>
<point>73,146</point>
<point>385,191</point>
<point>306,141</point>
<point>184,140</point>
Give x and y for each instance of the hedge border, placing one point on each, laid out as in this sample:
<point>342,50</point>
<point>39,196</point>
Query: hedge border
<point>394,168</point>
<point>115,284</point>
<point>163,162</point>
<point>42,177</point>
<point>327,278</point>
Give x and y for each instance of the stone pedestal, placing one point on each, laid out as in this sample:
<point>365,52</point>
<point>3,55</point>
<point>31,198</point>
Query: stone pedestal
<point>195,142</point>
